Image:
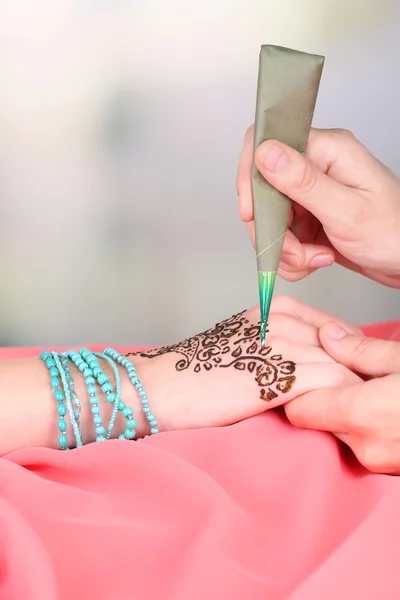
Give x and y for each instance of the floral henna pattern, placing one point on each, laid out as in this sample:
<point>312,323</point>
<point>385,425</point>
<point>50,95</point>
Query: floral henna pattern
<point>215,348</point>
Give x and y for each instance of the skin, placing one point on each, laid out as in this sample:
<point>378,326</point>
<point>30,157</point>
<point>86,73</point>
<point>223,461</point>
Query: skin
<point>346,205</point>
<point>346,208</point>
<point>186,398</point>
<point>364,416</point>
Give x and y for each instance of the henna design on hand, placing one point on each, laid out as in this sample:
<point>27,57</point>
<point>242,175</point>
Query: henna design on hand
<point>215,348</point>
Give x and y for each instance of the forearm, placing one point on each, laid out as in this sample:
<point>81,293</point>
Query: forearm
<point>28,411</point>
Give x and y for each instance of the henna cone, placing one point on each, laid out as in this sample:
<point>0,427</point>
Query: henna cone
<point>288,83</point>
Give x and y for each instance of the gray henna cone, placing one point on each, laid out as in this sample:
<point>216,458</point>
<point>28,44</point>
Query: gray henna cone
<point>288,82</point>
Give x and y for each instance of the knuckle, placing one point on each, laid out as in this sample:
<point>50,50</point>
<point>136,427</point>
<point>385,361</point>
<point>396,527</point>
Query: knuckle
<point>277,343</point>
<point>307,179</point>
<point>279,322</point>
<point>345,134</point>
<point>364,346</point>
<point>340,374</point>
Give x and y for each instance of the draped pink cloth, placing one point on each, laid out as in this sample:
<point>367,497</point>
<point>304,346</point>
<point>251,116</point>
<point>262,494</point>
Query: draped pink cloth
<point>259,510</point>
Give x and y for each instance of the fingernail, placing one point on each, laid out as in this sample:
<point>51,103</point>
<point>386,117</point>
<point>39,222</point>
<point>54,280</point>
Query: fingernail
<point>334,331</point>
<point>292,260</point>
<point>273,158</point>
<point>321,260</point>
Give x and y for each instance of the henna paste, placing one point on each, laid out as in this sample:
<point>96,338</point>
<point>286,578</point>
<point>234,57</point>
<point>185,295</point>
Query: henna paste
<point>234,343</point>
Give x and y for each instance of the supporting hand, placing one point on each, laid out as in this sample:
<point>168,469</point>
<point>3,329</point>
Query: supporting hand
<point>365,416</point>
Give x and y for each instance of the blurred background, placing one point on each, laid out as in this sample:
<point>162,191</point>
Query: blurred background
<point>121,122</point>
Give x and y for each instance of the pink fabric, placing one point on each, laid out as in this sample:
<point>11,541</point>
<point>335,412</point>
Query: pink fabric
<point>254,511</point>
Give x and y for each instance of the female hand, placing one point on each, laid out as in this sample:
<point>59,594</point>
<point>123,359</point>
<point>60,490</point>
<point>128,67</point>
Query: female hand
<point>346,205</point>
<point>214,378</point>
<point>223,375</point>
<point>365,416</point>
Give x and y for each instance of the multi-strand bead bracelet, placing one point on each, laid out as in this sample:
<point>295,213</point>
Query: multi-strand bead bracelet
<point>97,384</point>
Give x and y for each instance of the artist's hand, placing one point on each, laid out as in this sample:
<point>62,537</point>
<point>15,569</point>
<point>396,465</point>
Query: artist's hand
<point>346,205</point>
<point>365,416</point>
<point>223,375</point>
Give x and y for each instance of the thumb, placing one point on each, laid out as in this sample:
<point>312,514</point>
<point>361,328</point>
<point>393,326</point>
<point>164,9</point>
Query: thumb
<point>293,175</point>
<point>365,355</point>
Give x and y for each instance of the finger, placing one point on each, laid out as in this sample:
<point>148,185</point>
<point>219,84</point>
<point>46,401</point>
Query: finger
<point>298,178</point>
<point>365,355</point>
<point>291,275</point>
<point>299,352</point>
<point>338,153</point>
<point>304,225</point>
<point>309,314</point>
<point>243,180</point>
<point>309,258</point>
<point>313,382</point>
<point>294,330</point>
<point>251,232</point>
<point>327,409</point>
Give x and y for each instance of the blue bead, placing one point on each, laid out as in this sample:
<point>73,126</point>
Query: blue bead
<point>153,423</point>
<point>87,373</point>
<point>90,380</point>
<point>93,363</point>
<point>107,387</point>
<point>54,372</point>
<point>45,355</point>
<point>131,423</point>
<point>100,438</point>
<point>91,389</point>
<point>93,400</point>
<point>145,401</point>
<point>100,430</point>
<point>79,361</point>
<point>63,441</point>
<point>61,409</point>
<point>127,411</point>
<point>97,420</point>
<point>50,363</point>
<point>134,381</point>
<point>84,353</point>
<point>95,410</point>
<point>90,357</point>
<point>55,382</point>
<point>150,417</point>
<point>125,362</point>
<point>82,367</point>
<point>129,434</point>
<point>58,395</point>
<point>97,371</point>
<point>102,379</point>
<point>146,409</point>
<point>142,394</point>
<point>154,430</point>
<point>62,425</point>
<point>121,437</point>
<point>111,397</point>
<point>121,405</point>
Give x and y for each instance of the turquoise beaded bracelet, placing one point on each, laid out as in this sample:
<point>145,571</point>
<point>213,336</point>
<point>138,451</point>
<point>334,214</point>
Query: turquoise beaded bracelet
<point>64,390</point>
<point>59,396</point>
<point>134,379</point>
